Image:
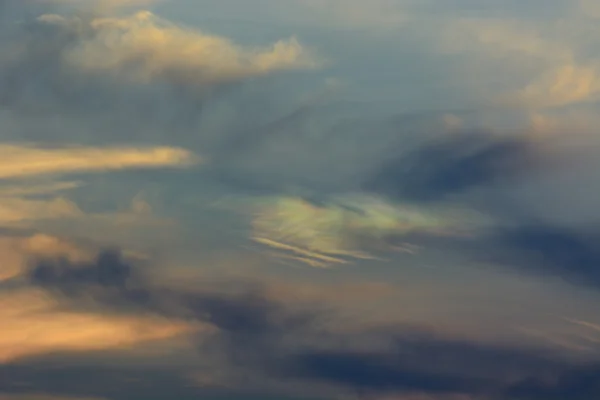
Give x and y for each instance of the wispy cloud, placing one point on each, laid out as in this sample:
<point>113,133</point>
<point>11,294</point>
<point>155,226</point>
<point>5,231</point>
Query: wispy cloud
<point>20,161</point>
<point>349,227</point>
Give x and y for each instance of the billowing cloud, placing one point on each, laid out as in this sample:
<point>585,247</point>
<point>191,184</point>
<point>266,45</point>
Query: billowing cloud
<point>144,47</point>
<point>97,61</point>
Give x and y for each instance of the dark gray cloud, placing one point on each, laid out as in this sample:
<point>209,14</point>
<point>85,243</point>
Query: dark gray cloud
<point>566,252</point>
<point>111,282</point>
<point>419,364</point>
<point>261,336</point>
<point>80,377</point>
<point>578,383</point>
<point>452,164</point>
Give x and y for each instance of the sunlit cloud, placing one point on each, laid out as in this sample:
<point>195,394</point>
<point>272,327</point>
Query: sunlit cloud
<point>451,281</point>
<point>16,210</point>
<point>33,325</point>
<point>35,322</point>
<point>105,6</point>
<point>19,161</point>
<point>346,227</point>
<point>17,251</point>
<point>26,202</point>
<point>566,85</point>
<point>144,47</point>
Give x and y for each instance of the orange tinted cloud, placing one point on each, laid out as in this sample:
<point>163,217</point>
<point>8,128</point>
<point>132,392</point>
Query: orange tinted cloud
<point>32,325</point>
<point>17,161</point>
<point>15,252</point>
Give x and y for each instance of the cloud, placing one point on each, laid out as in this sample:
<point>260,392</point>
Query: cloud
<point>99,63</point>
<point>144,47</point>
<point>103,6</point>
<point>522,61</point>
<point>589,8</point>
<point>575,383</point>
<point>32,396</point>
<point>256,335</point>
<point>30,197</point>
<point>16,251</point>
<point>339,229</point>
<point>42,208</point>
<point>552,250</point>
<point>21,160</point>
<point>35,323</point>
<point>32,315</point>
<point>453,164</point>
<point>16,211</point>
<point>101,324</point>
<point>565,85</point>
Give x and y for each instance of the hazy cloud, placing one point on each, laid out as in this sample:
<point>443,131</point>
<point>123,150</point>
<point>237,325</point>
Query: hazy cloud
<point>257,334</point>
<point>453,163</point>
<point>554,251</point>
<point>340,229</point>
<point>452,173</point>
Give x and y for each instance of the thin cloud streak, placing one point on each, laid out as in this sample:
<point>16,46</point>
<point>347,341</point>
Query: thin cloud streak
<point>19,161</point>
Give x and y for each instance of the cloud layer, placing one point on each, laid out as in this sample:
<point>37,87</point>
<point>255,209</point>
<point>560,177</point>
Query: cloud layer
<point>260,336</point>
<point>168,178</point>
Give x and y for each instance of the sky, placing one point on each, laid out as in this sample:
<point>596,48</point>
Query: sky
<point>299,199</point>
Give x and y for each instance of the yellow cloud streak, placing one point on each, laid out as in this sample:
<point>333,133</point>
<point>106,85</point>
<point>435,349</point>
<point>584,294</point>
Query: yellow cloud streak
<point>22,161</point>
